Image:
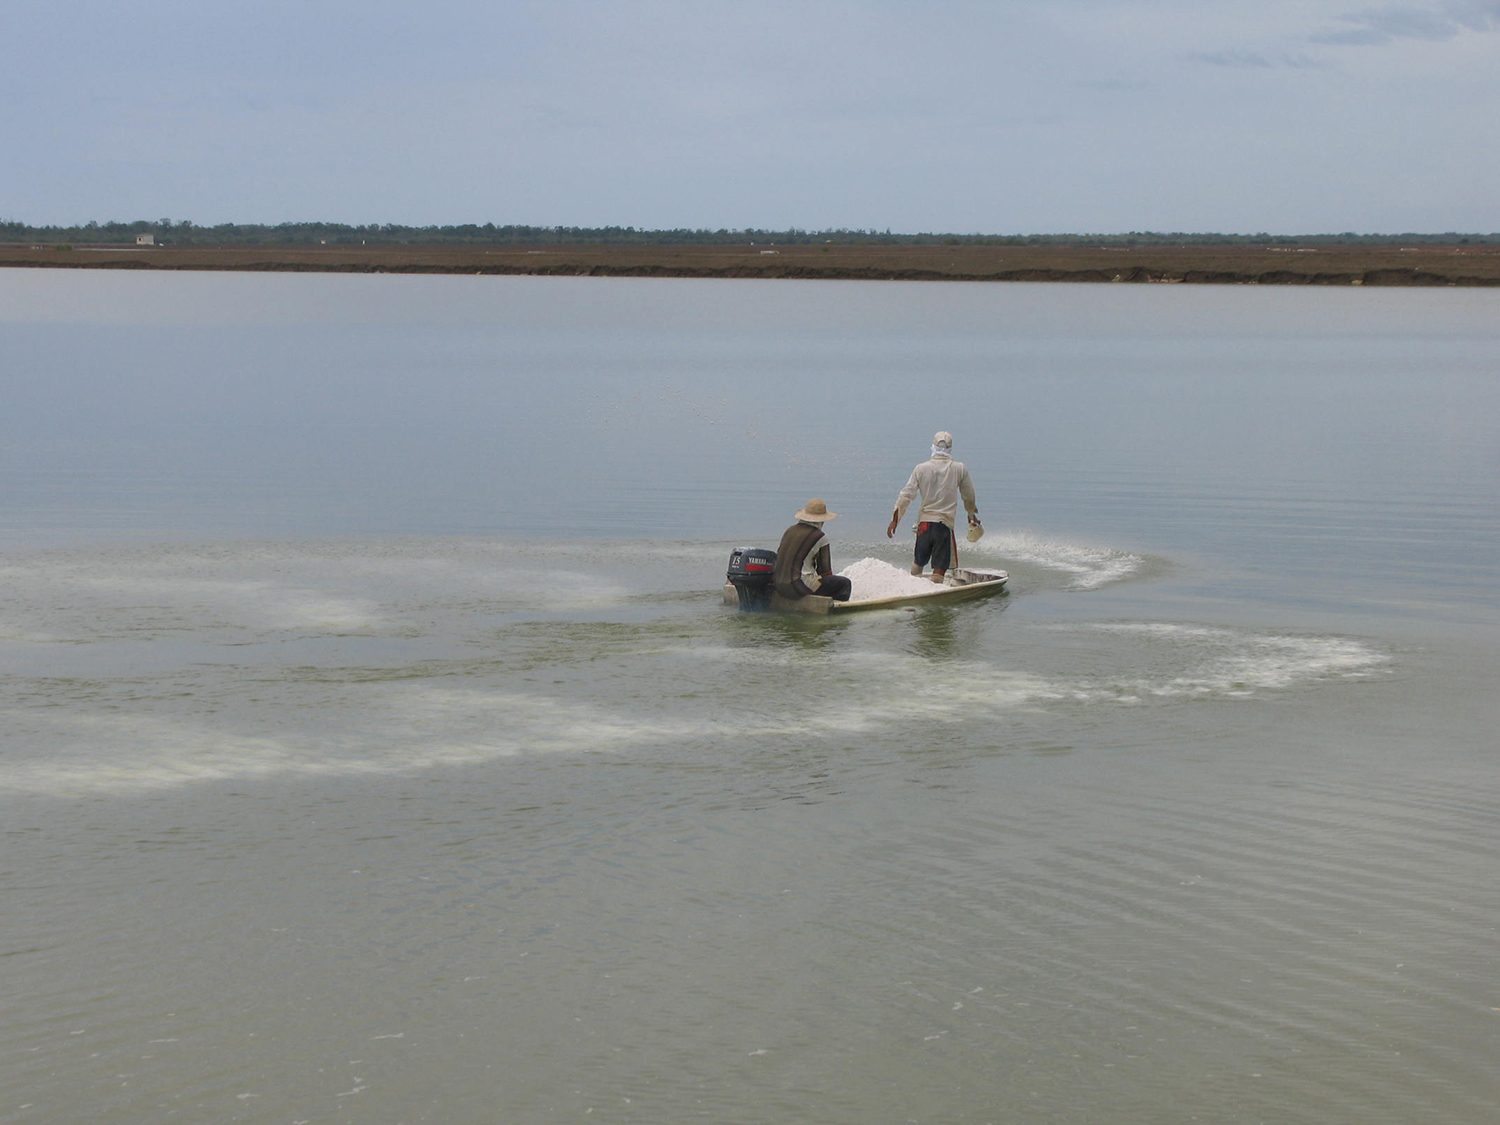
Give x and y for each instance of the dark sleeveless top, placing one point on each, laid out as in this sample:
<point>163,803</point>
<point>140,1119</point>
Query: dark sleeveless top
<point>795,546</point>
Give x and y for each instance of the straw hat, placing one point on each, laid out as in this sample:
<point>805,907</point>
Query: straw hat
<point>816,512</point>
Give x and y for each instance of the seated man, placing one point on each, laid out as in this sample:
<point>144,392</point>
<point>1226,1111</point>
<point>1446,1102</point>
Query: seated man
<point>804,562</point>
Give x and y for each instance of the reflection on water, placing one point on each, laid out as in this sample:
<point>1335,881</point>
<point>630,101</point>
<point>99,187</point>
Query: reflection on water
<point>937,633</point>
<point>376,746</point>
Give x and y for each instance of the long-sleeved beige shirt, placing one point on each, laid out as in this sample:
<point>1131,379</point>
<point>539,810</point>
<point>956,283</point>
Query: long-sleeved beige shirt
<point>941,481</point>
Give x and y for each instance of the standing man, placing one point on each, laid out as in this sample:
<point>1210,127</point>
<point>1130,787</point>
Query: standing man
<point>804,561</point>
<point>941,480</point>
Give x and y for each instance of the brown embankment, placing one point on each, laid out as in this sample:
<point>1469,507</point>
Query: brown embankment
<point>1426,265</point>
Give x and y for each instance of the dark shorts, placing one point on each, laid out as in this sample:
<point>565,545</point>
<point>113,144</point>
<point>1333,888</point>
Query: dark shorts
<point>934,544</point>
<point>837,587</point>
<point>834,586</point>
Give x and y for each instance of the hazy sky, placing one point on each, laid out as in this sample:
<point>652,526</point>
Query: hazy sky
<point>1009,116</point>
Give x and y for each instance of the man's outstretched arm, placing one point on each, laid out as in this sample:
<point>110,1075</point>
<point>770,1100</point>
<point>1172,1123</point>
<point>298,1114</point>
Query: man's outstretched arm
<point>904,498</point>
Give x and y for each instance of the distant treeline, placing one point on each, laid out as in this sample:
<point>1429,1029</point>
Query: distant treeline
<point>187,233</point>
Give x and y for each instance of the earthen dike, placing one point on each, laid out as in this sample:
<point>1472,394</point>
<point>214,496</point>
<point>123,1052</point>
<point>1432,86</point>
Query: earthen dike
<point>1426,265</point>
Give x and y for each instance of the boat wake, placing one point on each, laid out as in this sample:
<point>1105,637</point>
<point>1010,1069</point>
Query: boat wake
<point>1033,561</point>
<point>668,699</point>
<point>1042,561</point>
<point>159,667</point>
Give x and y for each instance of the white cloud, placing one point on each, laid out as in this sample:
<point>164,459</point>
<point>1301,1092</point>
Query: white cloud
<point>1433,22</point>
<point>1024,116</point>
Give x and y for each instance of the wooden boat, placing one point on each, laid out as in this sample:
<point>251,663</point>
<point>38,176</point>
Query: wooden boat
<point>961,584</point>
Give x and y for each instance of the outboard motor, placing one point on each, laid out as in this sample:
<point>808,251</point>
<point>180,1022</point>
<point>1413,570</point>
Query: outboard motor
<point>750,573</point>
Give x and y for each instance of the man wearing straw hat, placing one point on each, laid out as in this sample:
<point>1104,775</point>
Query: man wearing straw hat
<point>804,561</point>
<point>941,480</point>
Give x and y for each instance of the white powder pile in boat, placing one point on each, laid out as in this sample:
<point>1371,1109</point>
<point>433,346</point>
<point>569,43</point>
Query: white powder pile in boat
<point>873,578</point>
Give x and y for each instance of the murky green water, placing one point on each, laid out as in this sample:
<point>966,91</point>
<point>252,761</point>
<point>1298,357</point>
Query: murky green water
<point>376,748</point>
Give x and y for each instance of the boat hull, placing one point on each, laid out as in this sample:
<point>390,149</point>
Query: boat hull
<point>964,584</point>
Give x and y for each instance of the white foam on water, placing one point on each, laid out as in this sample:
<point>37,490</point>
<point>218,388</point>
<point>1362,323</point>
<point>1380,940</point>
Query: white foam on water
<point>176,601</point>
<point>20,635</point>
<point>405,731</point>
<point>1191,661</point>
<point>873,690</point>
<point>135,753</point>
<point>1088,568</point>
<point>412,727</point>
<point>162,723</point>
<point>550,590</point>
<point>887,688</point>
<point>415,728</point>
<point>1239,662</point>
<point>335,590</point>
<point>307,611</point>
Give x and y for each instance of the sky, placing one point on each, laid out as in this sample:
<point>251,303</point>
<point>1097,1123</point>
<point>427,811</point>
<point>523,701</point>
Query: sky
<point>953,116</point>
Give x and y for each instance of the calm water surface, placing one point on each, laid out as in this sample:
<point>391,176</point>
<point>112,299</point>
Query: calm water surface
<point>375,747</point>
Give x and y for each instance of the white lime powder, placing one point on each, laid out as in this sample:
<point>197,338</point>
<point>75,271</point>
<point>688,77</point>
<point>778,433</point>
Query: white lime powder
<point>874,578</point>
